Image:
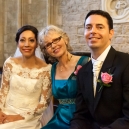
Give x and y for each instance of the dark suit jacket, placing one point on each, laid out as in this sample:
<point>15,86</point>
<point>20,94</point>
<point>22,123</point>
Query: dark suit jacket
<point>109,109</point>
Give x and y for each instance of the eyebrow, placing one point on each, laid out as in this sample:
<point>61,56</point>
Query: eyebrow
<point>28,37</point>
<point>96,24</point>
<point>53,39</point>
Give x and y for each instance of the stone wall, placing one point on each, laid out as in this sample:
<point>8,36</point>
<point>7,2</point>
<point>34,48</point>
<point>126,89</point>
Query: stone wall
<point>35,13</point>
<point>67,14</point>
<point>14,14</point>
<point>10,22</point>
<point>1,33</point>
<point>70,16</point>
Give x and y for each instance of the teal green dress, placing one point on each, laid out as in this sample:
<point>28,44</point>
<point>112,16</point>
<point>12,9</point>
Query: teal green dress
<point>65,91</point>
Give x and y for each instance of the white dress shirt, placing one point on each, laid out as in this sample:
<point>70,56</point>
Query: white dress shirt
<point>97,64</point>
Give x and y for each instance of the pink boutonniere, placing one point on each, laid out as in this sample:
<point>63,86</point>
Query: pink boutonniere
<point>77,69</point>
<point>106,79</point>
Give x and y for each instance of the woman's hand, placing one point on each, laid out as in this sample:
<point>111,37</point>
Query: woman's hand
<point>2,117</point>
<point>12,118</point>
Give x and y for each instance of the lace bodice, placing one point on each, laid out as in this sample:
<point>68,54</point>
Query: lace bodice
<point>24,91</point>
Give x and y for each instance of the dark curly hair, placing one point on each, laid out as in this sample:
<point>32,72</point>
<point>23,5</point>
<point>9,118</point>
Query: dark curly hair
<point>24,28</point>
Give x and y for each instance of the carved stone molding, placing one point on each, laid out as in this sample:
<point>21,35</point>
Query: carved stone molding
<point>54,16</point>
<point>118,9</point>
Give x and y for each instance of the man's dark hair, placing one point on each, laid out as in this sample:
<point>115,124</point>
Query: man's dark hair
<point>24,28</point>
<point>102,13</point>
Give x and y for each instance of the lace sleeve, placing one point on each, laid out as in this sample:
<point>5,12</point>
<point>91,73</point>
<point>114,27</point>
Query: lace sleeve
<point>45,94</point>
<point>5,84</point>
<point>44,98</point>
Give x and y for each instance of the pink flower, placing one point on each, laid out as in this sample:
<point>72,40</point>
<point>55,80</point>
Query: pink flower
<point>106,78</point>
<point>77,69</point>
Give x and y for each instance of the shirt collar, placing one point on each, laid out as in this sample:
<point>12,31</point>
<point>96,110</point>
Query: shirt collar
<point>102,56</point>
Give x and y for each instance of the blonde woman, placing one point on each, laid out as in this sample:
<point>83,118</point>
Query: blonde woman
<point>55,43</point>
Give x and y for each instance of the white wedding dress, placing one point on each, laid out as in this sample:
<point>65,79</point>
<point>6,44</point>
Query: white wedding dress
<point>22,91</point>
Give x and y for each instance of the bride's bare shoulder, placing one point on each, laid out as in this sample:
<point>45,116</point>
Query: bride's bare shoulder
<point>16,59</point>
<point>37,62</point>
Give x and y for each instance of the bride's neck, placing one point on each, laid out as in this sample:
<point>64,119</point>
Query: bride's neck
<point>29,62</point>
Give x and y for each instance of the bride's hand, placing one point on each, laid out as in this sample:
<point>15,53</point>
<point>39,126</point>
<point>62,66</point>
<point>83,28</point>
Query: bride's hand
<point>11,118</point>
<point>2,117</point>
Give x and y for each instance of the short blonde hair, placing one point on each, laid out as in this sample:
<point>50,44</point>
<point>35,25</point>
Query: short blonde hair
<point>46,31</point>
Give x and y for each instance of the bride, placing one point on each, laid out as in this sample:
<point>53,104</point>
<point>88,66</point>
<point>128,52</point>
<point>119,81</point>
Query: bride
<point>26,85</point>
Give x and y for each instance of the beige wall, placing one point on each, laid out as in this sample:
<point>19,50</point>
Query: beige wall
<point>67,14</point>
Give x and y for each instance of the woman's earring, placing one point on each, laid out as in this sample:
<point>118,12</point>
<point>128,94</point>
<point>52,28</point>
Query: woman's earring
<point>66,45</point>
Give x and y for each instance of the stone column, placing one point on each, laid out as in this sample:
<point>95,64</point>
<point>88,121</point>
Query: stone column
<point>12,22</point>
<point>1,33</point>
<point>50,12</point>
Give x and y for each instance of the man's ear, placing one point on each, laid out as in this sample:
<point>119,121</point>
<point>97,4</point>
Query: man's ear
<point>111,34</point>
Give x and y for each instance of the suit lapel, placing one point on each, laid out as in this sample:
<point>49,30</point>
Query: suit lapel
<point>87,76</point>
<point>107,65</point>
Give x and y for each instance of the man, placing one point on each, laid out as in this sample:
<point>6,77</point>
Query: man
<point>103,91</point>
